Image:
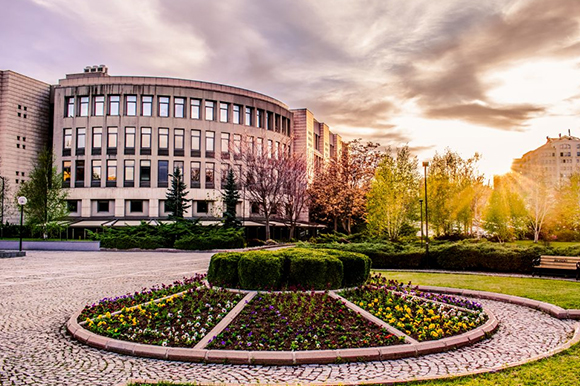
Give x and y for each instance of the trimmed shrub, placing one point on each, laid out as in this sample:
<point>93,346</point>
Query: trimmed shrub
<point>261,270</point>
<point>316,270</point>
<point>356,267</point>
<point>128,242</point>
<point>227,238</point>
<point>223,269</point>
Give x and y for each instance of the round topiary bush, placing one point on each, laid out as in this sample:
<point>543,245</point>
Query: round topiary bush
<point>303,268</point>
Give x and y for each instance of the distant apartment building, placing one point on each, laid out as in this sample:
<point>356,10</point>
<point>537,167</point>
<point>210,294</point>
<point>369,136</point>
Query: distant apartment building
<point>117,139</point>
<point>555,160</point>
<point>25,129</point>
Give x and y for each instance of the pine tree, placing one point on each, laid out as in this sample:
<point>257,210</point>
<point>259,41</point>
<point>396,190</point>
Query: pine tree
<point>231,195</point>
<point>177,203</point>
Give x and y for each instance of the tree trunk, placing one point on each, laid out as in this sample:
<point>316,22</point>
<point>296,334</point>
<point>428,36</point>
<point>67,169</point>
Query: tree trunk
<point>267,228</point>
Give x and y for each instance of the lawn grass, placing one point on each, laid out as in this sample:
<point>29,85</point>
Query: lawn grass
<point>559,370</point>
<point>556,244</point>
<point>565,294</point>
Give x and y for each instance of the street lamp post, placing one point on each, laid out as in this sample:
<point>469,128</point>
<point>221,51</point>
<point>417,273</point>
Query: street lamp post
<point>2,208</point>
<point>21,201</point>
<point>421,204</point>
<point>425,165</point>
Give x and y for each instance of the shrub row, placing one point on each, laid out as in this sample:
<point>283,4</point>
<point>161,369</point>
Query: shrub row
<point>460,256</point>
<point>286,268</point>
<point>180,234</point>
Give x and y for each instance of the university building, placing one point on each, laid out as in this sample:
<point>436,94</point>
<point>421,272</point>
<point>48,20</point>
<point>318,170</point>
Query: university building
<point>117,139</point>
<point>555,160</point>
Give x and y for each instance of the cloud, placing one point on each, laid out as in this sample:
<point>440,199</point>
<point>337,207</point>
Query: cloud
<point>505,118</point>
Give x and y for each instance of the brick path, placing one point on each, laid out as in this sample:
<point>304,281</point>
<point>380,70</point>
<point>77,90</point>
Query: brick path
<point>39,292</point>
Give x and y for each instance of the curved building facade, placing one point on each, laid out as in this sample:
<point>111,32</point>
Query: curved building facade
<point>117,139</point>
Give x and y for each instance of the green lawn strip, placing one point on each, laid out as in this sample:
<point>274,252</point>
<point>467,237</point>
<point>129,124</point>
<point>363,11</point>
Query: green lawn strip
<point>556,244</point>
<point>565,294</point>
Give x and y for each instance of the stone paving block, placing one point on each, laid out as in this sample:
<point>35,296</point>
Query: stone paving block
<point>475,335</point>
<point>82,335</point>
<point>272,358</point>
<point>186,354</point>
<point>455,342</point>
<point>120,347</point>
<point>322,356</point>
<point>573,314</point>
<point>97,341</point>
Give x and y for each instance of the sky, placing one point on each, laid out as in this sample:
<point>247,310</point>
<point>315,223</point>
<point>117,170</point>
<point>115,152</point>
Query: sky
<point>493,77</point>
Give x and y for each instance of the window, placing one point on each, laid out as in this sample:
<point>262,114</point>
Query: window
<point>102,206</point>
<point>178,165</point>
<point>255,208</point>
<point>97,140</point>
<point>202,207</point>
<point>112,140</point>
<point>96,173</point>
<point>225,170</point>
<point>195,174</point>
<point>145,141</point>
<point>209,144</point>
<point>251,144</point>
<point>129,140</point>
<point>269,120</point>
<point>163,141</point>
<point>84,106</point>
<point>224,112</point>
<point>163,106</point>
<point>260,118</point>
<point>237,146</point>
<point>195,143</point>
<point>114,104</point>
<point>72,206</point>
<point>136,206</point>
<point>99,105</point>
<point>179,108</point>
<point>146,105</point>
<point>269,148</point>
<point>178,142</point>
<point>66,171</point>
<point>69,107</point>
<point>67,142</point>
<point>248,120</point>
<point>237,116</point>
<point>209,175</point>
<point>81,140</point>
<point>111,172</point>
<point>277,123</point>
<point>80,173</point>
<point>225,145</point>
<point>162,174</point>
<point>129,179</point>
<point>260,147</point>
<point>195,109</point>
<point>209,108</point>
<point>276,149</point>
<point>145,173</point>
<point>131,105</point>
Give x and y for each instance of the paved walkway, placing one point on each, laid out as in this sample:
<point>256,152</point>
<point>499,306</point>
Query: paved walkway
<point>40,291</point>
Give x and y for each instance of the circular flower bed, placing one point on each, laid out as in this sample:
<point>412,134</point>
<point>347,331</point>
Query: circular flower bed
<point>209,323</point>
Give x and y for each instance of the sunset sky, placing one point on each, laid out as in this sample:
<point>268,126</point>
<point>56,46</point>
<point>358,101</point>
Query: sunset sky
<point>494,77</point>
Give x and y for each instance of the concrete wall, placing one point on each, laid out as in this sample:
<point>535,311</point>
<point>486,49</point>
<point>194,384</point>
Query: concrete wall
<point>51,245</point>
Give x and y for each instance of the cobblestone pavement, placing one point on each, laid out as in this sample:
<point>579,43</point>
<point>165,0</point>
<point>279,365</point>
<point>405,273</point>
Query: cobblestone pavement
<point>39,292</point>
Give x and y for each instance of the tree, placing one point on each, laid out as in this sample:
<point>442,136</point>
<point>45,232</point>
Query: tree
<point>231,196</point>
<point>340,187</point>
<point>263,182</point>
<point>505,215</point>
<point>177,203</point>
<point>455,190</point>
<point>392,200</point>
<point>565,216</point>
<point>46,198</point>
<point>539,199</point>
<point>295,196</point>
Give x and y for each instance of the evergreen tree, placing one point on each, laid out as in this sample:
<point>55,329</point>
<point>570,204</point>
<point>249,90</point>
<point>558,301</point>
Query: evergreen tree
<point>46,197</point>
<point>177,203</point>
<point>230,195</point>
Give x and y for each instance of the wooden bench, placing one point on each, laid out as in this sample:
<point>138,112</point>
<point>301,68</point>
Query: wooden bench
<point>565,263</point>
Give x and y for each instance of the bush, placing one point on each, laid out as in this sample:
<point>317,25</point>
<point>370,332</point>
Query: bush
<point>219,238</point>
<point>356,267</point>
<point>223,269</point>
<point>128,242</point>
<point>261,270</point>
<point>308,269</point>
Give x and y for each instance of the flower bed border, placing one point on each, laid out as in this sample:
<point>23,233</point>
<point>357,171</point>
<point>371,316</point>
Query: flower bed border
<point>412,348</point>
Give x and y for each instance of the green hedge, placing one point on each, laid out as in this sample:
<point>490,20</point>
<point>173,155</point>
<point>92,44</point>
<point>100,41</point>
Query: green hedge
<point>223,270</point>
<point>287,268</point>
<point>225,239</point>
<point>260,270</point>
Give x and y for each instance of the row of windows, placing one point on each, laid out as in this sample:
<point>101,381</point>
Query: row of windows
<point>134,206</point>
<point>228,143</point>
<point>198,109</point>
<point>568,146</point>
<point>107,171</point>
